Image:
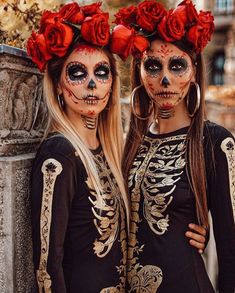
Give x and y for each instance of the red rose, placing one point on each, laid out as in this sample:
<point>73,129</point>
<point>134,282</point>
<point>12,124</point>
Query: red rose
<point>58,38</point>
<point>150,14</point>
<point>193,35</point>
<point>96,29</point>
<point>172,26</point>
<point>207,21</point>
<point>124,42</point>
<point>121,42</point>
<point>191,11</point>
<point>126,16</point>
<point>140,45</point>
<point>36,48</point>
<point>92,9</point>
<point>48,17</point>
<point>72,12</point>
<point>200,34</point>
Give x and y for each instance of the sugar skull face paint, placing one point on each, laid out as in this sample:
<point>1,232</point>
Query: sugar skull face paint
<point>86,81</point>
<point>166,72</point>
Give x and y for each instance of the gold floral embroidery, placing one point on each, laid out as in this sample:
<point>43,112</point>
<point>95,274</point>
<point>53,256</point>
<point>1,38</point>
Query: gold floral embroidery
<point>51,168</point>
<point>107,212</point>
<point>156,180</point>
<point>109,219</point>
<point>147,279</point>
<point>160,179</point>
<point>228,147</point>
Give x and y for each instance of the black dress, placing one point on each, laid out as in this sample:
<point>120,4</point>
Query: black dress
<point>160,258</point>
<point>79,241</point>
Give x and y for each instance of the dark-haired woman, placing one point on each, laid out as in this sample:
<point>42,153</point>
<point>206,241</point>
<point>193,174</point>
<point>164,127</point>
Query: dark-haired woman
<point>178,165</point>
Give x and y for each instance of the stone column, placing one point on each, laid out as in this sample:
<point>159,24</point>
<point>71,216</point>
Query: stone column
<point>22,121</point>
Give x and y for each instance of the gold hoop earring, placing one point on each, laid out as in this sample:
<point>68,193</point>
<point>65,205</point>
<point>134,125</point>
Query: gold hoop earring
<point>133,95</point>
<point>198,98</point>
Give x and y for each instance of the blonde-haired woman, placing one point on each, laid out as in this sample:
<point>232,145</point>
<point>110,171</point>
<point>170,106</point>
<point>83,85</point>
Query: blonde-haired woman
<point>79,203</point>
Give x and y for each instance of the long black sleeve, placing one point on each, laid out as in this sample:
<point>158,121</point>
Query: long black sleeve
<point>221,186</point>
<point>53,186</point>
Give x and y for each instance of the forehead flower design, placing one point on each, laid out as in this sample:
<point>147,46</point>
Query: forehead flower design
<point>136,24</point>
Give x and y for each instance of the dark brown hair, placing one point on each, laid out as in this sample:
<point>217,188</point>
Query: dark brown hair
<point>194,150</point>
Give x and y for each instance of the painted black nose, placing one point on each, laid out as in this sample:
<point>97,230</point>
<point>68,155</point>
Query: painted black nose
<point>91,84</point>
<point>165,81</point>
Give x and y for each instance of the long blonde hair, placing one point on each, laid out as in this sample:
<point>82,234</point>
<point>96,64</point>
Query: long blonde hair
<point>109,126</point>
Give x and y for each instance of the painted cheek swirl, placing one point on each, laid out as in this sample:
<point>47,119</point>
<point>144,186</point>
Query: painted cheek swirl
<point>89,99</point>
<point>152,66</point>
<point>76,73</point>
<point>102,72</point>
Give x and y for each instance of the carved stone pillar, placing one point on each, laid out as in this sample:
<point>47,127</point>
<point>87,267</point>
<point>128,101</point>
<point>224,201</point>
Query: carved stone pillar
<point>22,121</point>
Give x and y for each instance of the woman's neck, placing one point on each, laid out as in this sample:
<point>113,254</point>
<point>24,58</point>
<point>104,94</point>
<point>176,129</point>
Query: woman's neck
<point>86,127</point>
<point>179,120</point>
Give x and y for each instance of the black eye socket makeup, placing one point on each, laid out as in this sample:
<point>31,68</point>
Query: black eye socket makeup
<point>102,71</point>
<point>152,65</point>
<point>178,64</point>
<point>76,72</point>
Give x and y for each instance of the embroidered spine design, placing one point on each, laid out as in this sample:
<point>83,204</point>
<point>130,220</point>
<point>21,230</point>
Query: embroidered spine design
<point>109,217</point>
<point>107,213</point>
<point>120,288</point>
<point>228,147</point>
<point>51,168</point>
<point>156,180</point>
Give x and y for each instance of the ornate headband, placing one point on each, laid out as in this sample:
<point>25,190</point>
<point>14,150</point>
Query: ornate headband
<point>58,30</point>
<point>136,24</point>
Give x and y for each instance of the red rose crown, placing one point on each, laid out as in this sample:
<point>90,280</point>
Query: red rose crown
<point>136,24</point>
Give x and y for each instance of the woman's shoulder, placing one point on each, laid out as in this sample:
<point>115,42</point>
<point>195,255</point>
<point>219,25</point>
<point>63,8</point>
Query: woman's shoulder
<point>216,133</point>
<point>57,144</point>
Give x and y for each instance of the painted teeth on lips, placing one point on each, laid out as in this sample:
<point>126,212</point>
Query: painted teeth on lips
<point>166,94</point>
<point>91,100</point>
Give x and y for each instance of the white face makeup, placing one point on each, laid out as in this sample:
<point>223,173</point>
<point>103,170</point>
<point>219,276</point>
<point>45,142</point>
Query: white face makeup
<point>86,81</point>
<point>166,72</point>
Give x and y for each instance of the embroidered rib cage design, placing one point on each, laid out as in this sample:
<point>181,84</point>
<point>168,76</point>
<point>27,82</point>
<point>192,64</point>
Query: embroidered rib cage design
<point>154,174</point>
<point>159,182</point>
<point>109,219</point>
<point>228,147</point>
<point>51,168</point>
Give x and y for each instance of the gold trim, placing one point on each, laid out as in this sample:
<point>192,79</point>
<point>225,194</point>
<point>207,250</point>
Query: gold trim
<point>228,147</point>
<point>51,168</point>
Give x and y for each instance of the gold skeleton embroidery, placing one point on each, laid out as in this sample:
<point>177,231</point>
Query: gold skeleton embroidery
<point>51,168</point>
<point>228,147</point>
<point>148,278</point>
<point>107,212</point>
